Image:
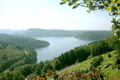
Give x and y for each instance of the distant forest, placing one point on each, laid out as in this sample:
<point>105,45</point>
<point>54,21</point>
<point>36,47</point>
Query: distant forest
<point>81,34</point>
<point>34,32</point>
<point>95,35</point>
<point>24,40</point>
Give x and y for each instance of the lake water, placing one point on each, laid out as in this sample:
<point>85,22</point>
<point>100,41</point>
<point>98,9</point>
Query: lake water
<point>58,45</point>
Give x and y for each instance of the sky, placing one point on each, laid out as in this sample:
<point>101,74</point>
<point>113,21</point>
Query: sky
<point>48,14</point>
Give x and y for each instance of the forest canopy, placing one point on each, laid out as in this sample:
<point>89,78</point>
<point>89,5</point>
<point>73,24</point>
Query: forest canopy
<point>14,55</point>
<point>24,40</point>
<point>95,35</point>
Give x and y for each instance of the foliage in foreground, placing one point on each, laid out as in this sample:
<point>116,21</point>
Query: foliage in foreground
<point>94,74</point>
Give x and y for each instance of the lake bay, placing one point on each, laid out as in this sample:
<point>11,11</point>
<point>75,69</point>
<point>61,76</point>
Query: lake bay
<point>58,45</point>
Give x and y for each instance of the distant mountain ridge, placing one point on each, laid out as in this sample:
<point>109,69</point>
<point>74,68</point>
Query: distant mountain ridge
<point>95,35</point>
<point>81,34</point>
<point>9,31</point>
<point>35,32</point>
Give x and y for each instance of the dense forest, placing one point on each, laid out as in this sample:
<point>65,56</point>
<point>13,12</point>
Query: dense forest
<point>13,55</point>
<point>95,35</point>
<point>80,53</point>
<point>24,40</point>
<point>17,52</point>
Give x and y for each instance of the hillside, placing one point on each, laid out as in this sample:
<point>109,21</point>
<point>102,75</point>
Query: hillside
<point>14,55</point>
<point>81,34</point>
<point>34,32</point>
<point>95,35</point>
<point>110,70</point>
<point>94,54</point>
<point>88,55</point>
<point>24,40</point>
<point>108,67</point>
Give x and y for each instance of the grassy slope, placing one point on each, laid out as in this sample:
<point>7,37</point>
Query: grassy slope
<point>111,71</point>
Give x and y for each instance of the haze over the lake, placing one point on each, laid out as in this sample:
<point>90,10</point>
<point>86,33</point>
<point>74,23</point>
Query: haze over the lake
<point>48,14</point>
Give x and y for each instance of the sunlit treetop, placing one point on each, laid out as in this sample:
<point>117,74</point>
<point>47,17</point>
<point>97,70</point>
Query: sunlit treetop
<point>112,6</point>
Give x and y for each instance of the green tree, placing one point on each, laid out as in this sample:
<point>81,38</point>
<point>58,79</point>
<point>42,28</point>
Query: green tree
<point>4,57</point>
<point>9,75</point>
<point>3,76</point>
<point>39,68</point>
<point>62,60</point>
<point>99,47</point>
<point>4,44</point>
<point>1,47</point>
<point>26,69</point>
<point>72,56</point>
<point>67,58</point>
<point>19,47</point>
<point>41,64</point>
<point>47,66</point>
<point>57,64</point>
<point>112,6</point>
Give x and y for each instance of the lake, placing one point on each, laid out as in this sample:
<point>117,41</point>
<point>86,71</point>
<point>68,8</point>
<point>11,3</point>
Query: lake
<point>58,45</point>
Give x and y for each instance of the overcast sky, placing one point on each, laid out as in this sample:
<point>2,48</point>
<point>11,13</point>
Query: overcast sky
<point>48,14</point>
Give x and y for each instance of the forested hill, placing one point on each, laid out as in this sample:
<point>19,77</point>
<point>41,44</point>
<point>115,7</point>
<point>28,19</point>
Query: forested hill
<point>14,55</point>
<point>95,35</point>
<point>79,54</point>
<point>34,32</point>
<point>24,40</point>
<point>83,53</point>
<point>82,34</point>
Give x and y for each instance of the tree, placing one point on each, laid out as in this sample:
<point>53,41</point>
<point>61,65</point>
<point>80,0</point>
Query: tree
<point>1,47</point>
<point>62,60</point>
<point>9,75</point>
<point>73,57</point>
<point>112,6</point>
<point>4,57</point>
<point>26,69</point>
<point>39,67</point>
<point>57,64</point>
<point>19,47</point>
<point>47,67</point>
<point>67,59</point>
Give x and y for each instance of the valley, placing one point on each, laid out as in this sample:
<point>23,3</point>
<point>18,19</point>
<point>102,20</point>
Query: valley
<point>54,53</point>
